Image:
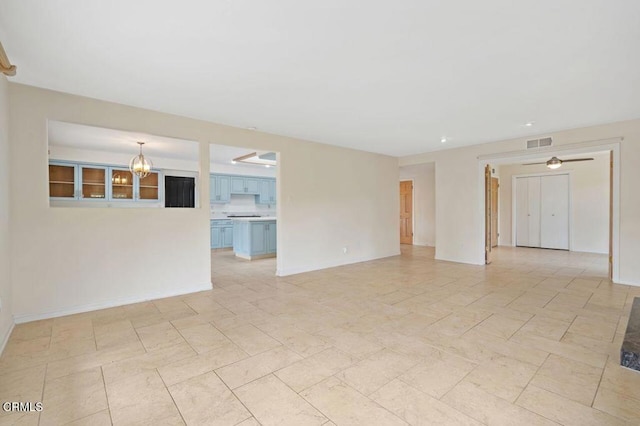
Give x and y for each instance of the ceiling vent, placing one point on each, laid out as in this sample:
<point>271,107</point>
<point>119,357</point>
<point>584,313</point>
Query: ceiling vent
<point>539,143</point>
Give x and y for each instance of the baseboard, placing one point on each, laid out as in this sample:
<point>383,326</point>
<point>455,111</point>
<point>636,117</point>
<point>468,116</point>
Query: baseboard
<point>5,339</point>
<point>627,283</point>
<point>465,262</point>
<point>329,264</point>
<point>78,309</point>
<point>423,244</point>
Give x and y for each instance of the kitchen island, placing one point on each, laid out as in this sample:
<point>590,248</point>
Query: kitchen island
<point>254,237</point>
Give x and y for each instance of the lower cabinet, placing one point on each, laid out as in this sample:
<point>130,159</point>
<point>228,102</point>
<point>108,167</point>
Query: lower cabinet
<point>221,234</point>
<point>254,239</point>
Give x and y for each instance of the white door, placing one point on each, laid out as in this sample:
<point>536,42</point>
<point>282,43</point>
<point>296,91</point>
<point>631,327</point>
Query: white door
<point>554,219</point>
<point>534,211</point>
<point>528,211</point>
<point>522,212</point>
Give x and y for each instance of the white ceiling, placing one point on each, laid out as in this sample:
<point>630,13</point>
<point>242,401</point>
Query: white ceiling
<point>119,141</point>
<point>83,137</point>
<point>388,77</point>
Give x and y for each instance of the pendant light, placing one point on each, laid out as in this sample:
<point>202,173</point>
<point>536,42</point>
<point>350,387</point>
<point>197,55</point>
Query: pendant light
<point>139,165</point>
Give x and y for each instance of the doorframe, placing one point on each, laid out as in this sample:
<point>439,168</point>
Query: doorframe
<point>600,145</point>
<point>513,201</point>
<point>413,203</point>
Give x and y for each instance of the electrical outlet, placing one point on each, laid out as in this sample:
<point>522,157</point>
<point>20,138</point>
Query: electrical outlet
<point>345,250</point>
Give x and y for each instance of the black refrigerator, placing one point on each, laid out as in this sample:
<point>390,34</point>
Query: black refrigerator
<point>179,191</point>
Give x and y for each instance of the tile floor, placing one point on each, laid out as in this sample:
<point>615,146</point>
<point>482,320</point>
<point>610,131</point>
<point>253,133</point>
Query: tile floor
<point>532,339</point>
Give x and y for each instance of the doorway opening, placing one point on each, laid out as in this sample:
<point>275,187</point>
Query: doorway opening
<point>406,212</point>
<point>243,215</point>
<point>417,205</point>
<point>574,207</point>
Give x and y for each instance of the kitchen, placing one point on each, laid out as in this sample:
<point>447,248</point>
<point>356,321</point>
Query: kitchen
<point>88,168</point>
<point>242,202</point>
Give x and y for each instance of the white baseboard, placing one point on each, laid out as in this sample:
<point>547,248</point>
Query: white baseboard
<point>423,244</point>
<point>466,262</point>
<point>5,338</point>
<point>623,282</point>
<point>329,264</point>
<point>21,318</point>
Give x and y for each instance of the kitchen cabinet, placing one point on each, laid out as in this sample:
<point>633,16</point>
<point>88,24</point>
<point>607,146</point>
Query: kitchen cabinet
<point>254,239</point>
<point>122,184</point>
<point>149,187</point>
<point>267,191</point>
<point>93,182</point>
<point>245,185</point>
<point>221,234</point>
<point>63,181</point>
<point>101,183</point>
<point>219,188</point>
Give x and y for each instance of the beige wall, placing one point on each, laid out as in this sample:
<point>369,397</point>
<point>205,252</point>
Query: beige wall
<point>589,202</point>
<point>459,229</point>
<point>74,259</point>
<point>6,320</point>
<point>424,205</point>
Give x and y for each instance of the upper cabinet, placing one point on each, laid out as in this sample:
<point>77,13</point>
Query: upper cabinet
<point>267,191</point>
<point>223,186</point>
<point>93,181</point>
<point>245,185</point>
<point>63,181</point>
<point>121,184</point>
<point>219,188</point>
<point>83,182</point>
<point>149,187</point>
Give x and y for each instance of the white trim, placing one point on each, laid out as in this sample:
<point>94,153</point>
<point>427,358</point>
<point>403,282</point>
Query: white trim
<point>413,203</point>
<point>5,339</point>
<point>624,282</point>
<point>22,318</point>
<point>329,264</point>
<point>513,202</point>
<point>611,144</point>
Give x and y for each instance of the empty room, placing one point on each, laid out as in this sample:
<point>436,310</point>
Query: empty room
<point>330,213</point>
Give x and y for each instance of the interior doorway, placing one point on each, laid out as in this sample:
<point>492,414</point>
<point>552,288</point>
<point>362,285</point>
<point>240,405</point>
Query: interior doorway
<point>594,226</point>
<point>406,212</point>
<point>495,193</point>
<point>492,185</point>
<point>243,200</point>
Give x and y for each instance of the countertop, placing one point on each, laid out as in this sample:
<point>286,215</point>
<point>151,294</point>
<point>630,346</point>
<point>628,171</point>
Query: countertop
<point>253,219</point>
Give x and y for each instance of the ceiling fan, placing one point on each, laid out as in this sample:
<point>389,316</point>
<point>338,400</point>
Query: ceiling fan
<point>555,162</point>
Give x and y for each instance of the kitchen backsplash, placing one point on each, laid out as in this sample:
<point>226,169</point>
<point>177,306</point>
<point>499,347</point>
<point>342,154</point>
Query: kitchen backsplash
<point>242,204</point>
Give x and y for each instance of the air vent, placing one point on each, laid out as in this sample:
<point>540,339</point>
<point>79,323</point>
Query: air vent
<point>539,143</point>
<point>545,142</point>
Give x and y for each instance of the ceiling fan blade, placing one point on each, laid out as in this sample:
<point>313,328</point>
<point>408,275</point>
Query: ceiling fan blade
<point>577,159</point>
<point>533,164</point>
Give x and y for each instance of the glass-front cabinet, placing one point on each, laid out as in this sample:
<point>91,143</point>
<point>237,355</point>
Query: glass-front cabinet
<point>62,181</point>
<point>121,184</point>
<point>149,187</point>
<point>93,182</point>
<point>101,183</point>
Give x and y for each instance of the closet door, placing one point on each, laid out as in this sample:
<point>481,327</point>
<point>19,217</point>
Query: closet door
<point>555,212</point>
<point>522,212</point>
<point>534,211</point>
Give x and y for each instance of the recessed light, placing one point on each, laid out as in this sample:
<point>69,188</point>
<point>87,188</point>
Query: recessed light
<point>529,123</point>
<point>443,140</point>
<point>267,166</point>
<point>233,161</point>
